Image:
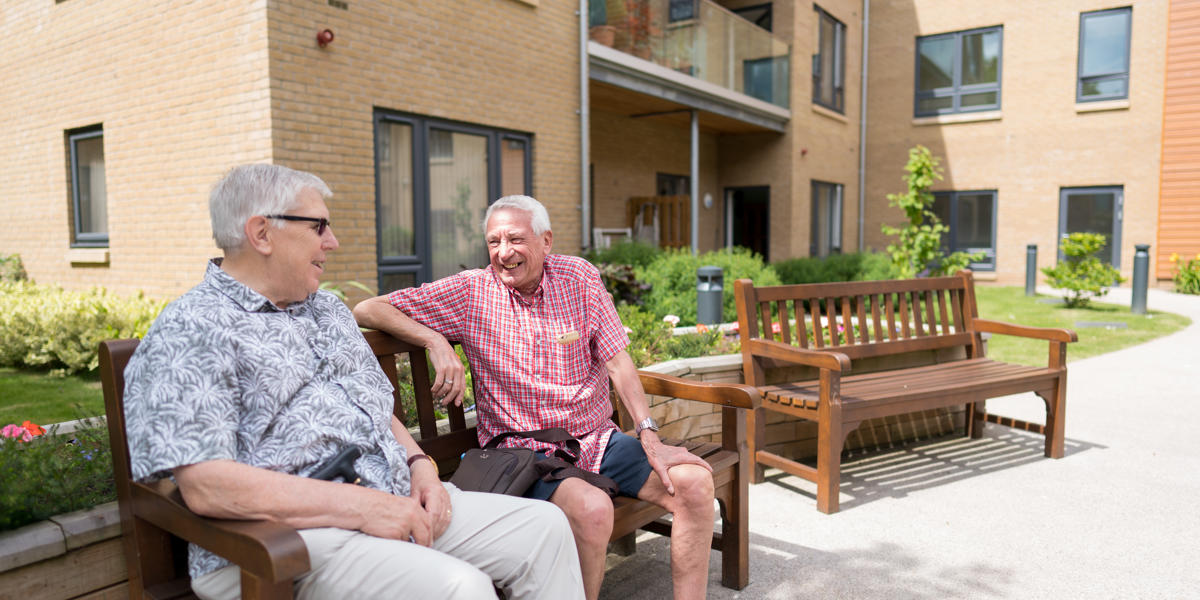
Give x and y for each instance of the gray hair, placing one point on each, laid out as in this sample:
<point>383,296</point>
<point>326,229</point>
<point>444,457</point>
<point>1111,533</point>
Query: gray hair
<point>250,190</point>
<point>539,219</point>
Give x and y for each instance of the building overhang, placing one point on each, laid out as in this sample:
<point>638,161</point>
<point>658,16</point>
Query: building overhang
<point>626,71</point>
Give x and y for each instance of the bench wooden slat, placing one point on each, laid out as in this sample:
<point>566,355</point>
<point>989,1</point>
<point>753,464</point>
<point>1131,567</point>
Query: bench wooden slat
<point>875,300</point>
<point>941,296</point>
<point>801,326</point>
<point>771,293</point>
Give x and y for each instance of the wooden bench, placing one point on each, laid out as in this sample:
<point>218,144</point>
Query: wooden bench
<point>827,327</point>
<point>156,524</point>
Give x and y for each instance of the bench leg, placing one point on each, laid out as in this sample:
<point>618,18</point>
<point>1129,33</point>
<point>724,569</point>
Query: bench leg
<point>830,438</point>
<point>735,533</point>
<point>976,414</point>
<point>1056,412</point>
<point>756,421</point>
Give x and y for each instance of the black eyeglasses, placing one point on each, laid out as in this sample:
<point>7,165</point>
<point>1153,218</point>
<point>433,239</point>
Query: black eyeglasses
<point>322,223</point>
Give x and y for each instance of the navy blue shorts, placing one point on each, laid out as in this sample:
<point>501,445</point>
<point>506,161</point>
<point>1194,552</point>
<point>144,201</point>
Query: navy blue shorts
<point>624,462</point>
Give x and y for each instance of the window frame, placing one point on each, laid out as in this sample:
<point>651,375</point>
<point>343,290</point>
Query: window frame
<point>1116,75</point>
<point>957,90</point>
<point>79,238</point>
<point>839,63</point>
<point>1118,218</point>
<point>835,229</point>
<point>420,264</point>
<point>950,240</point>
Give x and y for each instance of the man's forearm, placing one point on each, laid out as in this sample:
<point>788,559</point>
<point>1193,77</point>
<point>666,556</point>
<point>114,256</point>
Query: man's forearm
<point>231,490</point>
<point>623,374</point>
<point>378,313</point>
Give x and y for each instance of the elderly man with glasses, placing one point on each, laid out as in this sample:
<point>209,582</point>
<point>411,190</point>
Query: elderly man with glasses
<point>253,380</point>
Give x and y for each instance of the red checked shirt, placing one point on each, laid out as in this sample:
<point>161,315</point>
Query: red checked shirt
<point>536,363</point>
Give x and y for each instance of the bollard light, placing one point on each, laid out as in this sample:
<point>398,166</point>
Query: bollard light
<point>709,294</point>
<point>1030,269</point>
<point>1141,268</point>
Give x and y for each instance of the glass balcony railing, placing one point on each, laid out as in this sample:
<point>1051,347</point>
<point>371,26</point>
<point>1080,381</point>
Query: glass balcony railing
<point>697,38</point>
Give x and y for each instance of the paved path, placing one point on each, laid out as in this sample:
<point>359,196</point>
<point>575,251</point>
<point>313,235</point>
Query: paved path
<point>1118,517</point>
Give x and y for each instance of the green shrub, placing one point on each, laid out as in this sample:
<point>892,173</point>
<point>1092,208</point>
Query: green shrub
<point>855,266</point>
<point>53,474</point>
<point>12,269</point>
<point>648,335</point>
<point>622,284</point>
<point>630,252</point>
<point>44,326</point>
<point>1082,276</point>
<point>651,339</point>
<point>1187,274</point>
<point>672,280</point>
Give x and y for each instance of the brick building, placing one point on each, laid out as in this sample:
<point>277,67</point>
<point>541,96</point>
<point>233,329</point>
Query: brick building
<point>620,115</point>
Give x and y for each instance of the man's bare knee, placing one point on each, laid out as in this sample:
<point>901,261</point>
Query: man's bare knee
<point>589,509</point>
<point>693,487</point>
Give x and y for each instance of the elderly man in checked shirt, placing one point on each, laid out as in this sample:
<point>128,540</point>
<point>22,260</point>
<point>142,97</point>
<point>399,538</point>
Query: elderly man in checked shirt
<point>543,340</point>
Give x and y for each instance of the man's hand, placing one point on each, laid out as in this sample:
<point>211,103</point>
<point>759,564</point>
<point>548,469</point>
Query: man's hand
<point>662,457</point>
<point>451,381</point>
<point>396,518</point>
<point>429,492</point>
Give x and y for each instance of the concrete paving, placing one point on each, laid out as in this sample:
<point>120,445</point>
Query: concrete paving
<point>992,518</point>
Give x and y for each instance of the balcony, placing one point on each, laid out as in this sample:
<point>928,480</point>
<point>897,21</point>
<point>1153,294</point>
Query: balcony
<point>694,38</point>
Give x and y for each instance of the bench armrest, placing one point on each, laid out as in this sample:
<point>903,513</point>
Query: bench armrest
<point>736,395</point>
<point>1041,333</point>
<point>271,551</point>
<point>822,359</point>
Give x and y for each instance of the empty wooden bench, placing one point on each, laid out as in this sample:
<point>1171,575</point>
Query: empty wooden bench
<point>156,524</point>
<point>829,327</point>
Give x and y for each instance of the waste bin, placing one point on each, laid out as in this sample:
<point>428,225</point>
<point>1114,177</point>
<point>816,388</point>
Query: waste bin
<point>710,284</point>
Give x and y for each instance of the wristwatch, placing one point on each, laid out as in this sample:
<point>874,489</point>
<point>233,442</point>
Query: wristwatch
<point>415,457</point>
<point>647,423</point>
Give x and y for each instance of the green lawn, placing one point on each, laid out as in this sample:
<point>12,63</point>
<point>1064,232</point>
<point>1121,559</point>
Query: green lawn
<point>1010,304</point>
<point>35,396</point>
<point>38,397</point>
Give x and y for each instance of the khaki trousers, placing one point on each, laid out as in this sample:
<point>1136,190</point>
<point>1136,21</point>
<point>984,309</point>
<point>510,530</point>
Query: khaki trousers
<point>524,546</point>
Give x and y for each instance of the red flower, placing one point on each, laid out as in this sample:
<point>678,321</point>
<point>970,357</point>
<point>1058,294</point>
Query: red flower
<point>33,428</point>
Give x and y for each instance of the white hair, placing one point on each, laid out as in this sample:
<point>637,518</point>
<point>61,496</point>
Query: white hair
<point>539,219</point>
<point>250,190</point>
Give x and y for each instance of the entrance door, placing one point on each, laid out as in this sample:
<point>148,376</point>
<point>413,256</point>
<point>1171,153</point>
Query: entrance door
<point>1093,210</point>
<point>748,218</point>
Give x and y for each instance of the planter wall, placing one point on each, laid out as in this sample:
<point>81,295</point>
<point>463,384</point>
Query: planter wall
<point>789,436</point>
<point>75,555</point>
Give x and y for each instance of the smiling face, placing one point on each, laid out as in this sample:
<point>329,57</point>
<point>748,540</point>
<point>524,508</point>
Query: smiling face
<point>516,253</point>
<point>299,251</point>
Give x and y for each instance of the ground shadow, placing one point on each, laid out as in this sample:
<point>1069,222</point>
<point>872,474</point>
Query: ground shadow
<point>784,570</point>
<point>896,472</point>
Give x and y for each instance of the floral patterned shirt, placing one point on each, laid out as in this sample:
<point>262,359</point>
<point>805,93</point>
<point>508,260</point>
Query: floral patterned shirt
<point>536,363</point>
<point>225,374</point>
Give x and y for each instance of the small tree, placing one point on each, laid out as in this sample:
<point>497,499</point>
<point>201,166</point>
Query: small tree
<point>919,247</point>
<point>1082,276</point>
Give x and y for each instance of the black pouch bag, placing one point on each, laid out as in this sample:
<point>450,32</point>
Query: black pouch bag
<point>513,470</point>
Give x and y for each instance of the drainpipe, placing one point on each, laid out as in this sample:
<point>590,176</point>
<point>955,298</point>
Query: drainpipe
<point>695,184</point>
<point>585,201</point>
<point>862,127</point>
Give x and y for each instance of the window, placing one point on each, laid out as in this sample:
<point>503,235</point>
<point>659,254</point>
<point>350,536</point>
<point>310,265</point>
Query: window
<point>1104,55</point>
<point>767,79</point>
<point>826,233</point>
<point>434,181</point>
<point>971,217</point>
<point>958,72</point>
<point>829,63</point>
<point>667,184</point>
<point>1093,210</point>
<point>89,197</point>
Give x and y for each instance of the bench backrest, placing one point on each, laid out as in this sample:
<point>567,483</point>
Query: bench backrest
<point>445,445</point>
<point>863,319</point>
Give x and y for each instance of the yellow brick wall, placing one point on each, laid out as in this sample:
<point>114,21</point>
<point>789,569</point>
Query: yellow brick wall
<point>500,64</point>
<point>1040,143</point>
<point>181,90</point>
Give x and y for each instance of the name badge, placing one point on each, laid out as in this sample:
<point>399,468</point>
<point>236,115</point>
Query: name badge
<point>566,338</point>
